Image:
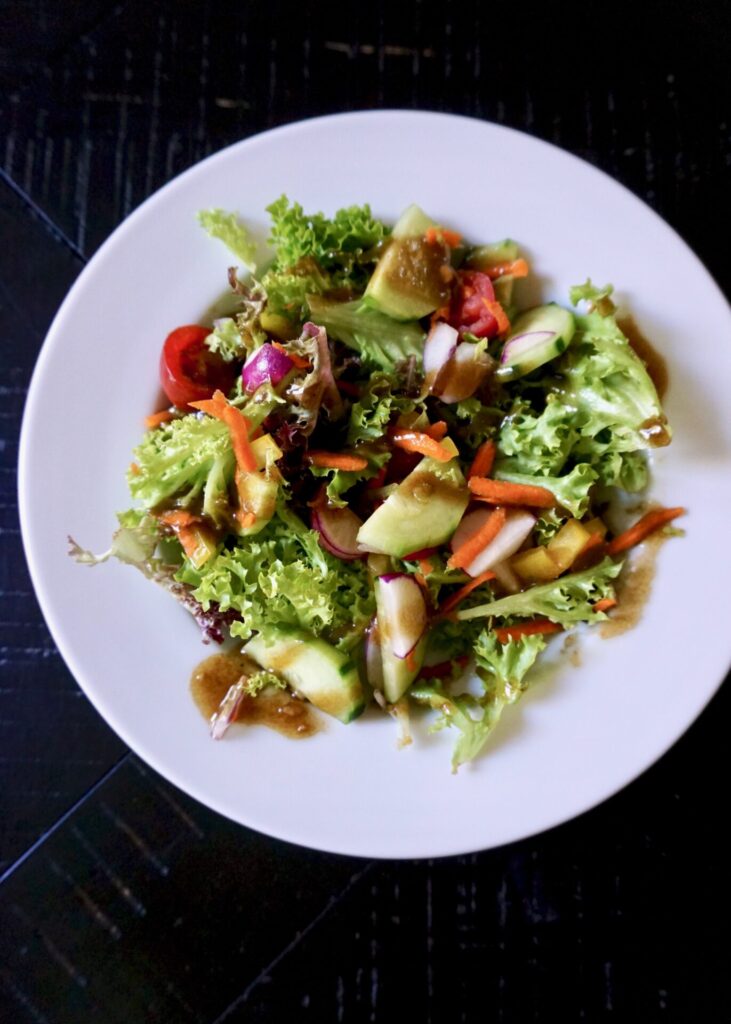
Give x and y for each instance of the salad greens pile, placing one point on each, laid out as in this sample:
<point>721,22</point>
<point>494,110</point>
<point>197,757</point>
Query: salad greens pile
<point>382,476</point>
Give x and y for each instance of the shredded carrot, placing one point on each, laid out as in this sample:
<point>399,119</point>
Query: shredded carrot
<point>299,361</point>
<point>420,443</point>
<point>440,314</point>
<point>461,594</point>
<point>471,548</point>
<point>651,521</point>
<point>179,519</point>
<point>238,428</point>
<point>337,460</point>
<point>494,307</point>
<point>514,268</point>
<point>157,418</point>
<point>246,519</point>
<point>425,566</point>
<point>434,235</point>
<point>500,492</point>
<point>506,633</point>
<point>422,582</point>
<point>134,469</point>
<point>591,552</point>
<point>437,431</point>
<point>605,604</point>
<point>483,460</point>
<point>444,668</point>
<point>411,660</point>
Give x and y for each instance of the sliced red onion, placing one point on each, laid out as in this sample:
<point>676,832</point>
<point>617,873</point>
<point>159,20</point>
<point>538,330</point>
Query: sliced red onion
<point>373,659</point>
<point>228,709</point>
<point>338,530</point>
<point>266,364</point>
<point>439,347</point>
<point>462,375</point>
<point>402,613</point>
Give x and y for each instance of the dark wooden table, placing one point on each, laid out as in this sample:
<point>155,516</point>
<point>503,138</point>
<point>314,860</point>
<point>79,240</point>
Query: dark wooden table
<point>122,899</point>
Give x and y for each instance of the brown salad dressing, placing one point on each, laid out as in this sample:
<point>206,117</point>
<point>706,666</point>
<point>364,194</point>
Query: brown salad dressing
<point>277,709</point>
<point>633,587</point>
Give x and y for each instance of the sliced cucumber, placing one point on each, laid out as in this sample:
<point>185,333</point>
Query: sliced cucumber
<point>482,257</point>
<point>412,223</point>
<point>538,336</point>
<point>325,676</point>
<point>399,673</point>
<point>423,511</point>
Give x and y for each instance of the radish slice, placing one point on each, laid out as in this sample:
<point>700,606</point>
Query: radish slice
<point>518,526</point>
<point>462,375</point>
<point>402,614</point>
<point>469,525</point>
<point>338,530</point>
<point>439,347</point>
<point>266,364</point>
<point>373,660</point>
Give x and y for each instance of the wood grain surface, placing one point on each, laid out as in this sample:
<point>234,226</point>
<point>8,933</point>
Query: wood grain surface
<point>120,898</point>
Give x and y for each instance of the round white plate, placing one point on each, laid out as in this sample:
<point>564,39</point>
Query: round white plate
<point>574,740</point>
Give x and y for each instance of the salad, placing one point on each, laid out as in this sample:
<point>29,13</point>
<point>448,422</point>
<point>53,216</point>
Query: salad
<point>382,477</point>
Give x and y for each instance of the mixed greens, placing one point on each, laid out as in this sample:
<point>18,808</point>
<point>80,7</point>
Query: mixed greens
<point>384,478</point>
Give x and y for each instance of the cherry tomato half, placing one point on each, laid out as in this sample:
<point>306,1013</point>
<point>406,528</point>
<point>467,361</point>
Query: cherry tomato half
<point>468,310</point>
<point>189,371</point>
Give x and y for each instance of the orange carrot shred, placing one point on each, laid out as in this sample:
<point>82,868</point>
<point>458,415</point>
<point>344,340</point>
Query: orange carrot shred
<point>246,519</point>
<point>471,548</point>
<point>157,418</point>
<point>494,307</point>
<point>605,604</point>
<point>179,518</point>
<point>514,268</point>
<point>440,314</point>
<point>238,428</point>
<point>425,566</point>
<point>437,431</point>
<point>411,661</point>
<point>299,361</point>
<point>434,235</point>
<point>134,469</point>
<point>447,606</point>
<point>483,460</point>
<point>337,460</point>
<point>422,444</point>
<point>500,492</point>
<point>506,633</point>
<point>651,521</point>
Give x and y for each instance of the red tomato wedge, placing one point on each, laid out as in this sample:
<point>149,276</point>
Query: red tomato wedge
<point>189,371</point>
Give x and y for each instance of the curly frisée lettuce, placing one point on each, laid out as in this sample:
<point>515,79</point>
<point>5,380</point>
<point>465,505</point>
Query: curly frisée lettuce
<point>371,505</point>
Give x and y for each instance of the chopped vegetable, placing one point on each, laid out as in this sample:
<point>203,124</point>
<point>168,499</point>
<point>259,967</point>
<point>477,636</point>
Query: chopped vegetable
<point>649,523</point>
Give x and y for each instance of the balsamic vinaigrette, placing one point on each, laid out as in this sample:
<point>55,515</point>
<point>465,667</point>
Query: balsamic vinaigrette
<point>295,718</point>
<point>277,709</point>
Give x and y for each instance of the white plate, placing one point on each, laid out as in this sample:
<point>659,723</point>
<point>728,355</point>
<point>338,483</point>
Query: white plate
<point>573,741</point>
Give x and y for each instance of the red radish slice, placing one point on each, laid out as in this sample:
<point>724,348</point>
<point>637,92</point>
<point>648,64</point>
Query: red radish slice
<point>338,530</point>
<point>469,525</point>
<point>518,526</point>
<point>402,613</point>
<point>266,364</point>
<point>373,660</point>
<point>462,375</point>
<point>439,347</point>
<point>228,709</point>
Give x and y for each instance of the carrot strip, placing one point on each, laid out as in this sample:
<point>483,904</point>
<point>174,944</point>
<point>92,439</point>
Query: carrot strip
<point>157,418</point>
<point>238,428</point>
<point>461,594</point>
<point>515,268</point>
<point>420,443</point>
<point>179,519</point>
<point>246,519</point>
<point>500,492</point>
<point>411,661</point>
<point>434,235</point>
<point>439,314</point>
<point>134,469</point>
<point>437,431</point>
<point>506,633</point>
<point>299,361</point>
<point>337,460</point>
<point>494,307</point>
<point>425,566</point>
<point>483,460</point>
<point>651,521</point>
<point>605,604</point>
<point>471,548</point>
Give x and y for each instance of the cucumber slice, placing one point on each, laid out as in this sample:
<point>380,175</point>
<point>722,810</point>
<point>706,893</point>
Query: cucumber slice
<point>325,676</point>
<point>423,511</point>
<point>538,335</point>
<point>399,673</point>
<point>412,223</point>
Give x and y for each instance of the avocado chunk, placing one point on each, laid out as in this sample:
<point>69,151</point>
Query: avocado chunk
<point>423,511</point>
<point>314,668</point>
<point>411,277</point>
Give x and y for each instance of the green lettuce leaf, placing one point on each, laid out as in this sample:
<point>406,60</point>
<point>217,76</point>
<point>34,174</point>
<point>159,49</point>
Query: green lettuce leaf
<point>333,242</point>
<point>538,444</point>
<point>226,227</point>
<point>568,600</point>
<point>598,298</point>
<point>377,338</point>
<point>226,340</point>
<point>341,480</point>
<point>376,407</point>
